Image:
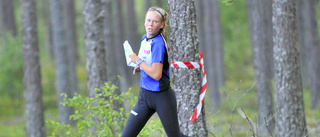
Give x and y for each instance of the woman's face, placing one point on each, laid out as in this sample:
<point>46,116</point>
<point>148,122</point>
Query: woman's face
<point>153,24</point>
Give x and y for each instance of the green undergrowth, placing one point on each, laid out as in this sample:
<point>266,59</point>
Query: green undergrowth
<point>110,121</point>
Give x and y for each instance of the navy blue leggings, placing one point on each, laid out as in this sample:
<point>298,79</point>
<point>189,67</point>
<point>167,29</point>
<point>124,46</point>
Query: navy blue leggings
<point>164,103</point>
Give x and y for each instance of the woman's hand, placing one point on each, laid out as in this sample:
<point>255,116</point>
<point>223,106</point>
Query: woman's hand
<point>136,69</point>
<point>134,57</point>
<point>155,71</point>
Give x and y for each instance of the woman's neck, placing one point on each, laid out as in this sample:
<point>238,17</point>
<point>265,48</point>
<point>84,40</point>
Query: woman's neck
<point>151,37</point>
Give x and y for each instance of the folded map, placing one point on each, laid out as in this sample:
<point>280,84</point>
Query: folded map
<point>128,51</point>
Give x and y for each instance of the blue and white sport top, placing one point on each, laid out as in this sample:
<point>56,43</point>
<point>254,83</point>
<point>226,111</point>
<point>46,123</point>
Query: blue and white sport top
<point>154,50</point>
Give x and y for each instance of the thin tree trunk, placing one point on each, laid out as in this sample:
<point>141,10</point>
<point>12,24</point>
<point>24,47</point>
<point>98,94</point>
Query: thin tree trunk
<point>210,60</point>
<point>260,24</point>
<point>200,23</point>
<point>71,47</point>
<point>122,68</point>
<point>109,43</point>
<point>35,126</point>
<point>60,51</point>
<point>110,54</point>
<point>132,25</point>
<point>302,49</point>
<point>95,52</point>
<point>159,3</point>
<point>8,20</point>
<point>147,4</point>
<point>44,15</point>
<point>311,47</point>
<point>290,115</point>
<point>218,42</point>
<point>186,82</point>
<point>95,48</point>
<point>133,36</point>
<point>70,25</point>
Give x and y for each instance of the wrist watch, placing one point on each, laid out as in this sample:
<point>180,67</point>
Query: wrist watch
<point>138,62</point>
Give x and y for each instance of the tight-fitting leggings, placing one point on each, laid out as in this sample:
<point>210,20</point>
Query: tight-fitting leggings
<point>164,103</point>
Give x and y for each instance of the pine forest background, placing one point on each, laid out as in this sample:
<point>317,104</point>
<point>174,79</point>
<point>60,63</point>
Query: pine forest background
<point>237,89</point>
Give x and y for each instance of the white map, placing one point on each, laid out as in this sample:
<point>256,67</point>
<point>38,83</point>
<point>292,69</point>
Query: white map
<point>127,51</point>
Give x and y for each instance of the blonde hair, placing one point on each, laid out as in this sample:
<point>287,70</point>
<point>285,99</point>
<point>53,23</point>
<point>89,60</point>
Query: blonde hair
<point>164,18</point>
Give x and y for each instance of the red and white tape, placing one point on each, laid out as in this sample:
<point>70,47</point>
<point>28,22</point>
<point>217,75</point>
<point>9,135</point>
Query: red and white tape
<point>190,65</point>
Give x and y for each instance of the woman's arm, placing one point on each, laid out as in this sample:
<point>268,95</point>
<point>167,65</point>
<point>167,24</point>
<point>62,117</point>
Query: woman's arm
<point>155,71</point>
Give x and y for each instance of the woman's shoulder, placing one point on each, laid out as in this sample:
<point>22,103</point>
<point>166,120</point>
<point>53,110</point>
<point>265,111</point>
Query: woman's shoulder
<point>158,39</point>
<point>144,36</point>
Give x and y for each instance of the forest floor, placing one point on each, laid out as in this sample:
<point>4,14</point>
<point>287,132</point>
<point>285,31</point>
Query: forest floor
<point>221,123</point>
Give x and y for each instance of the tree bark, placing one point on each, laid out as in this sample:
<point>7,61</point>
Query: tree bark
<point>8,20</point>
<point>35,126</point>
<point>186,82</point>
<point>290,119</point>
<point>310,45</point>
<point>261,35</point>
<point>60,52</point>
<point>95,52</point>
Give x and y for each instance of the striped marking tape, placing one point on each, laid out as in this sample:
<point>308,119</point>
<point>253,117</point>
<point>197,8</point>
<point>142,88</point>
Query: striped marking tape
<point>191,65</point>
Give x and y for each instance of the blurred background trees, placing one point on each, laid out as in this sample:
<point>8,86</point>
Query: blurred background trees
<point>236,40</point>
<point>35,125</point>
<point>260,21</point>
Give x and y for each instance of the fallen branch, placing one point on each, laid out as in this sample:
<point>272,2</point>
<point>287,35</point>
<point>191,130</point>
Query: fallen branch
<point>234,106</point>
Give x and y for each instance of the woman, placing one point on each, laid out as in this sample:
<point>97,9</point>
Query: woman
<point>155,94</point>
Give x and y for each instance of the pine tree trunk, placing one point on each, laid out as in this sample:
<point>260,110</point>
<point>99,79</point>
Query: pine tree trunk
<point>110,54</point>
<point>71,32</point>
<point>303,51</point>
<point>147,4</point>
<point>186,82</point>
<point>159,3</point>
<point>122,68</point>
<point>218,42</point>
<point>132,25</point>
<point>95,52</point>
<point>8,20</point>
<point>260,25</point>
<point>35,126</point>
<point>133,36</point>
<point>95,48</point>
<point>109,42</point>
<point>71,41</point>
<point>60,52</point>
<point>44,15</point>
<point>290,115</point>
<point>200,23</point>
<point>210,57</point>
<point>311,46</point>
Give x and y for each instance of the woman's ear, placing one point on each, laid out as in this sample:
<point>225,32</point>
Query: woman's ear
<point>162,25</point>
